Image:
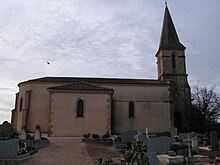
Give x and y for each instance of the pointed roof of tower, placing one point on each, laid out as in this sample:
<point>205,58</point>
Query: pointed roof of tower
<point>169,38</point>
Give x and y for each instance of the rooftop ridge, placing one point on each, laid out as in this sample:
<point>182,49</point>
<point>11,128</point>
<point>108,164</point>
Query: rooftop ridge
<point>94,80</point>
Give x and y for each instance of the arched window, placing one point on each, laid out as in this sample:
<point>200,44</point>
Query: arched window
<point>80,107</point>
<point>131,109</point>
<point>21,103</point>
<point>173,61</point>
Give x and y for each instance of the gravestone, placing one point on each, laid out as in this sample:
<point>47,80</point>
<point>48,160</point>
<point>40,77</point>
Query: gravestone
<point>213,140</point>
<point>128,136</point>
<point>173,133</point>
<point>37,133</point>
<point>186,137</point>
<point>23,135</point>
<point>150,154</point>
<point>8,149</point>
<point>195,146</point>
<point>161,144</point>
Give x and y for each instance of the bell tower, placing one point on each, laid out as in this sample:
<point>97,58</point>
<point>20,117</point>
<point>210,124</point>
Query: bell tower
<point>172,68</point>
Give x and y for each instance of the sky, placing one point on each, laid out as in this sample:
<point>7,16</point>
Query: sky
<point>101,38</point>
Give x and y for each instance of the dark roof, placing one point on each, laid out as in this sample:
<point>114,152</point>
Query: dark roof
<point>169,38</point>
<point>80,85</point>
<point>96,80</point>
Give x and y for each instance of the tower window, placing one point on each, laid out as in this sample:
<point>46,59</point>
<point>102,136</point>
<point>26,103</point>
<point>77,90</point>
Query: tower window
<point>80,108</point>
<point>131,109</point>
<point>174,62</point>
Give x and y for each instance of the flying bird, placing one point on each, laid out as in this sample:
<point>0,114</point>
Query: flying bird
<point>48,63</point>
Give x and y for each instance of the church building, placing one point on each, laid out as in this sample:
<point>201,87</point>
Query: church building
<point>73,106</point>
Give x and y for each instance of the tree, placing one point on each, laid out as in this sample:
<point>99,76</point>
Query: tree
<point>205,108</point>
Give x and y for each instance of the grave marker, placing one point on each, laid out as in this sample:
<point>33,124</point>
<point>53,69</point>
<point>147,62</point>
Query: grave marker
<point>37,133</point>
<point>23,135</point>
<point>213,140</point>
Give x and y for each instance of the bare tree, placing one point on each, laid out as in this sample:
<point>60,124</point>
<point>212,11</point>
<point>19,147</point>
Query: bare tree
<point>205,107</point>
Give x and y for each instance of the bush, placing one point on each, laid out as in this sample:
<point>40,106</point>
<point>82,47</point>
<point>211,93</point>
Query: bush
<point>86,136</point>
<point>95,136</point>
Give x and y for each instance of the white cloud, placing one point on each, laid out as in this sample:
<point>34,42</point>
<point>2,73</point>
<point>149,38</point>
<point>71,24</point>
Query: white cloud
<point>101,38</point>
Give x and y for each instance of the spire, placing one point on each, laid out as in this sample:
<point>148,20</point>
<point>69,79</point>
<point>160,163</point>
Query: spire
<point>169,38</point>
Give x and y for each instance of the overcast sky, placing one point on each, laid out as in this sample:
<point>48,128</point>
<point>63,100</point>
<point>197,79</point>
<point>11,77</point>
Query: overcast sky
<point>101,38</point>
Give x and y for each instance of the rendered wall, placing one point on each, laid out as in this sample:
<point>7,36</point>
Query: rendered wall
<point>63,118</point>
<point>39,106</point>
<point>152,108</point>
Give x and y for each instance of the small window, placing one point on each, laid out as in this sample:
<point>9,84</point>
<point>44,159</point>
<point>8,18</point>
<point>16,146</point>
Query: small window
<point>173,61</point>
<point>80,107</point>
<point>131,109</point>
<point>21,103</point>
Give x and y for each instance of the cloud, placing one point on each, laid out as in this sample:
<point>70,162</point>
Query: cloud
<point>101,38</point>
<point>4,116</point>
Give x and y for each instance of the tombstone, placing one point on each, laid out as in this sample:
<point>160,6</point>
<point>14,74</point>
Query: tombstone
<point>150,154</point>
<point>141,138</point>
<point>8,149</point>
<point>161,144</point>
<point>186,137</point>
<point>37,133</point>
<point>173,133</point>
<point>213,140</point>
<point>195,146</point>
<point>128,136</point>
<point>189,146</point>
<point>7,131</point>
<point>23,135</point>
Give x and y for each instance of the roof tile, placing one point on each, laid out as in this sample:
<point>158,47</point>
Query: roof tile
<point>80,85</point>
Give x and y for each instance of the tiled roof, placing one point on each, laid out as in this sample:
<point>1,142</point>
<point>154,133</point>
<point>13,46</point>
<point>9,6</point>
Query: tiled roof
<point>80,85</point>
<point>111,81</point>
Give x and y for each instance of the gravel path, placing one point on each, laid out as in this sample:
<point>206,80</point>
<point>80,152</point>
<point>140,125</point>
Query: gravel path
<point>61,151</point>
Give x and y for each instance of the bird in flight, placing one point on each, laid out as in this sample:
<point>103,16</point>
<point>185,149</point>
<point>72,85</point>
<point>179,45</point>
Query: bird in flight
<point>48,63</point>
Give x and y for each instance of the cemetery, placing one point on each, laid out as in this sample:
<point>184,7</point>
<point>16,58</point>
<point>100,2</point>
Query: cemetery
<point>151,149</point>
<point>16,147</point>
<point>131,147</point>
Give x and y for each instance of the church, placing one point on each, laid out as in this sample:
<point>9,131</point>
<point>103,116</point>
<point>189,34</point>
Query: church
<point>73,106</point>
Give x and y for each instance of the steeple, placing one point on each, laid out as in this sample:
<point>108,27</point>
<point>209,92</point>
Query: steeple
<point>169,38</point>
<point>171,67</point>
